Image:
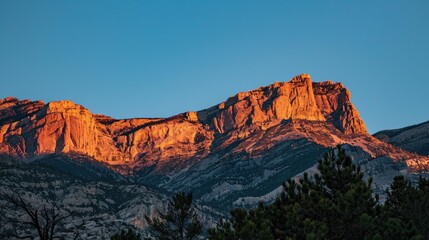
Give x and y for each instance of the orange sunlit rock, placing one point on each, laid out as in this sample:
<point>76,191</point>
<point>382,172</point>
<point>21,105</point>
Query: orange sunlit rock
<point>250,122</point>
<point>299,98</point>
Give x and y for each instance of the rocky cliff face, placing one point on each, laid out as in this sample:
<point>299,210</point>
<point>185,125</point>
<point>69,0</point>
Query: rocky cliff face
<point>240,124</point>
<point>299,98</point>
<point>29,128</point>
<point>334,101</point>
<point>60,127</point>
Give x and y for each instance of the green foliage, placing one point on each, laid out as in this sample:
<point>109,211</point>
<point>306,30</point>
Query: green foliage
<point>408,207</point>
<point>336,203</point>
<point>253,224</point>
<point>180,222</point>
<point>128,235</point>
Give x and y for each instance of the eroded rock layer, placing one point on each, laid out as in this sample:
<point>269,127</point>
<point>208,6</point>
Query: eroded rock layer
<point>240,124</point>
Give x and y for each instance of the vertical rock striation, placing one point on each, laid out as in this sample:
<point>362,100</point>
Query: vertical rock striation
<point>29,128</point>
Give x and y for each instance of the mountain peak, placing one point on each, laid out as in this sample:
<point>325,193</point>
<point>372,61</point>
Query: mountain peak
<point>66,106</point>
<point>302,78</point>
<point>300,98</point>
<point>8,99</point>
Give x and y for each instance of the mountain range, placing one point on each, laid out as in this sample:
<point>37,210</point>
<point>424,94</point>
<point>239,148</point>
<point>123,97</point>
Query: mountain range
<point>234,154</point>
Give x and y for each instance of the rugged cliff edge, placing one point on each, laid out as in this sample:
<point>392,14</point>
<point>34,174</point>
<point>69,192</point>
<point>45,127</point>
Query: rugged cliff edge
<point>32,127</point>
<point>299,98</point>
<point>299,109</point>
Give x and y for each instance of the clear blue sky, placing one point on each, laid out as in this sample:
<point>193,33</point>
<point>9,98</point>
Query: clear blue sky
<point>159,58</point>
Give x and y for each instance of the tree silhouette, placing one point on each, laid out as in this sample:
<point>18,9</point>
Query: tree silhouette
<point>407,206</point>
<point>45,221</point>
<point>336,203</point>
<point>180,222</point>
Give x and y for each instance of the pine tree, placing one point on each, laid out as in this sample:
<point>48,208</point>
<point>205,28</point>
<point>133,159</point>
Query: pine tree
<point>408,207</point>
<point>180,222</point>
<point>336,203</point>
<point>253,224</point>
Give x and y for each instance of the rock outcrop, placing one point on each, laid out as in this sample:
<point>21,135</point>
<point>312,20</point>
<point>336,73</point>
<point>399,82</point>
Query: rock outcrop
<point>299,98</point>
<point>243,123</point>
<point>334,101</point>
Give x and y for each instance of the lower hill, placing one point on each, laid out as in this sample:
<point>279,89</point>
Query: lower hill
<point>413,138</point>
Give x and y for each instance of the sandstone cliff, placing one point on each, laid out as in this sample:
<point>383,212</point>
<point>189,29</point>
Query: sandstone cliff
<point>250,122</point>
<point>299,98</point>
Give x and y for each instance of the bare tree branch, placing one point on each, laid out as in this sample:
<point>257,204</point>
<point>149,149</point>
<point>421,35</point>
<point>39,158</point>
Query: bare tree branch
<point>44,221</point>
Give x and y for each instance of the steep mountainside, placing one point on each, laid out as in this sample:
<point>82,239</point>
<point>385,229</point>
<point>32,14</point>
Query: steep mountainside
<point>413,138</point>
<point>233,153</point>
<point>31,128</point>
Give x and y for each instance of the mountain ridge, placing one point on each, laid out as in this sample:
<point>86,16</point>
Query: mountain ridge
<point>32,127</point>
<point>247,124</point>
<point>414,138</point>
